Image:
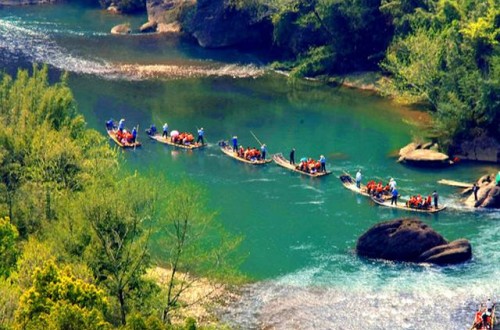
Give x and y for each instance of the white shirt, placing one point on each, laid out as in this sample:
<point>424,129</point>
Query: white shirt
<point>358,177</point>
<point>392,184</point>
<point>489,304</point>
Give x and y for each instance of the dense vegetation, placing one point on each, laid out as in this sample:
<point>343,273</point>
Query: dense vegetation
<point>75,227</point>
<point>441,53</point>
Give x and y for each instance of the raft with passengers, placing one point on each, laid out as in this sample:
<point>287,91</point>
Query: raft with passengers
<point>178,139</point>
<point>121,136</point>
<point>484,318</point>
<point>306,166</point>
<point>367,190</point>
<point>414,204</point>
<point>247,155</point>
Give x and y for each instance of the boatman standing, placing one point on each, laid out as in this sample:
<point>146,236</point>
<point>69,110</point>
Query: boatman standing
<point>392,184</point>
<point>110,124</point>
<point>394,198</point>
<point>263,150</point>
<point>322,161</point>
<point>435,196</point>
<point>292,156</point>
<point>165,131</point>
<point>200,136</point>
<point>475,188</point>
<point>134,134</point>
<point>359,177</point>
<point>235,143</point>
<point>121,125</point>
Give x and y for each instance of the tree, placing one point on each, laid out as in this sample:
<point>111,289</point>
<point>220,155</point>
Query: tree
<point>118,214</point>
<point>8,249</point>
<point>194,244</point>
<point>59,301</point>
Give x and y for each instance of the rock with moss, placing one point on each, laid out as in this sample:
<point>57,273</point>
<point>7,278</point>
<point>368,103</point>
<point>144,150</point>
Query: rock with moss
<point>170,15</point>
<point>411,240</point>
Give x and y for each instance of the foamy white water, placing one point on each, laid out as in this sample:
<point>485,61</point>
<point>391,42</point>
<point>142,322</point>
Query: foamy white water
<point>36,45</point>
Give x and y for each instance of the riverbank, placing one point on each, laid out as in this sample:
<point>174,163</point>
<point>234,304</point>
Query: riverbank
<point>201,299</point>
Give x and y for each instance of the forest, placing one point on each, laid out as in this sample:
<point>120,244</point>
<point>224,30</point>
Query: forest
<point>76,226</point>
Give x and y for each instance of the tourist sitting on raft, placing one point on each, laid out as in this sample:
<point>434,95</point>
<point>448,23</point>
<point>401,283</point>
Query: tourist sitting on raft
<point>125,137</point>
<point>151,130</point>
<point>377,189</point>
<point>183,138</point>
<point>417,202</point>
<point>309,165</point>
<point>250,154</point>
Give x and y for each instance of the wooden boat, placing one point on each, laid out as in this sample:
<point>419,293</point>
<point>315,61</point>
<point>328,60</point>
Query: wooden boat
<point>229,151</point>
<point>479,323</point>
<point>350,183</point>
<point>168,140</point>
<point>283,162</point>
<point>402,206</point>
<point>112,135</point>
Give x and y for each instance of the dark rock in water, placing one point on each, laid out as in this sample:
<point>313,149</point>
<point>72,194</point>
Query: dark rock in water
<point>411,240</point>
<point>452,253</point>
<point>488,195</point>
<point>218,24</point>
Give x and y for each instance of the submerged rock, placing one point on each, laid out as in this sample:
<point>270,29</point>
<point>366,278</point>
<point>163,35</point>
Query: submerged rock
<point>488,195</point>
<point>411,240</point>
<point>423,155</point>
<point>121,29</point>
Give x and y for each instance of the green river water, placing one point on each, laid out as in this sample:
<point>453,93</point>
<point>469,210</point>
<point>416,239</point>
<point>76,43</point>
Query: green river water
<point>300,232</point>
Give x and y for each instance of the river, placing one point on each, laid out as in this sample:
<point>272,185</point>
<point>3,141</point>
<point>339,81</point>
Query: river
<point>300,233</point>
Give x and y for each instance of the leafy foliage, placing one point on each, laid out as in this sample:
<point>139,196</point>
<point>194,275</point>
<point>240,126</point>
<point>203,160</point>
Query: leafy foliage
<point>59,301</point>
<point>8,248</point>
<point>449,60</point>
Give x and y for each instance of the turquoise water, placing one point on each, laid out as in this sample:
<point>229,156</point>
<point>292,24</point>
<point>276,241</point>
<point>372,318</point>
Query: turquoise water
<point>300,233</point>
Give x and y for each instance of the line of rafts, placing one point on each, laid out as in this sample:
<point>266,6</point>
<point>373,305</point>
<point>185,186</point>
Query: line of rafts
<point>383,197</point>
<point>128,139</point>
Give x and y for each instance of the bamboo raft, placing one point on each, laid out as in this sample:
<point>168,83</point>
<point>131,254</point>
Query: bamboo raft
<point>281,161</point>
<point>112,135</point>
<point>168,140</point>
<point>229,151</point>
<point>455,183</point>
<point>387,203</point>
<point>349,183</point>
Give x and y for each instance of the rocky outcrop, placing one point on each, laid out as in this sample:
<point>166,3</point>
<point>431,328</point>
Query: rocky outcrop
<point>218,24</point>
<point>411,240</point>
<point>488,195</point>
<point>455,252</point>
<point>423,155</point>
<point>482,148</point>
<point>170,14</point>
<point>121,29</point>
<point>148,27</point>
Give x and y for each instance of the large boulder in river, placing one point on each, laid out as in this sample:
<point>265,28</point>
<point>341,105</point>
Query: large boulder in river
<point>169,15</point>
<point>488,195</point>
<point>481,148</point>
<point>121,29</point>
<point>425,155</point>
<point>224,23</point>
<point>411,240</point>
<point>148,27</point>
